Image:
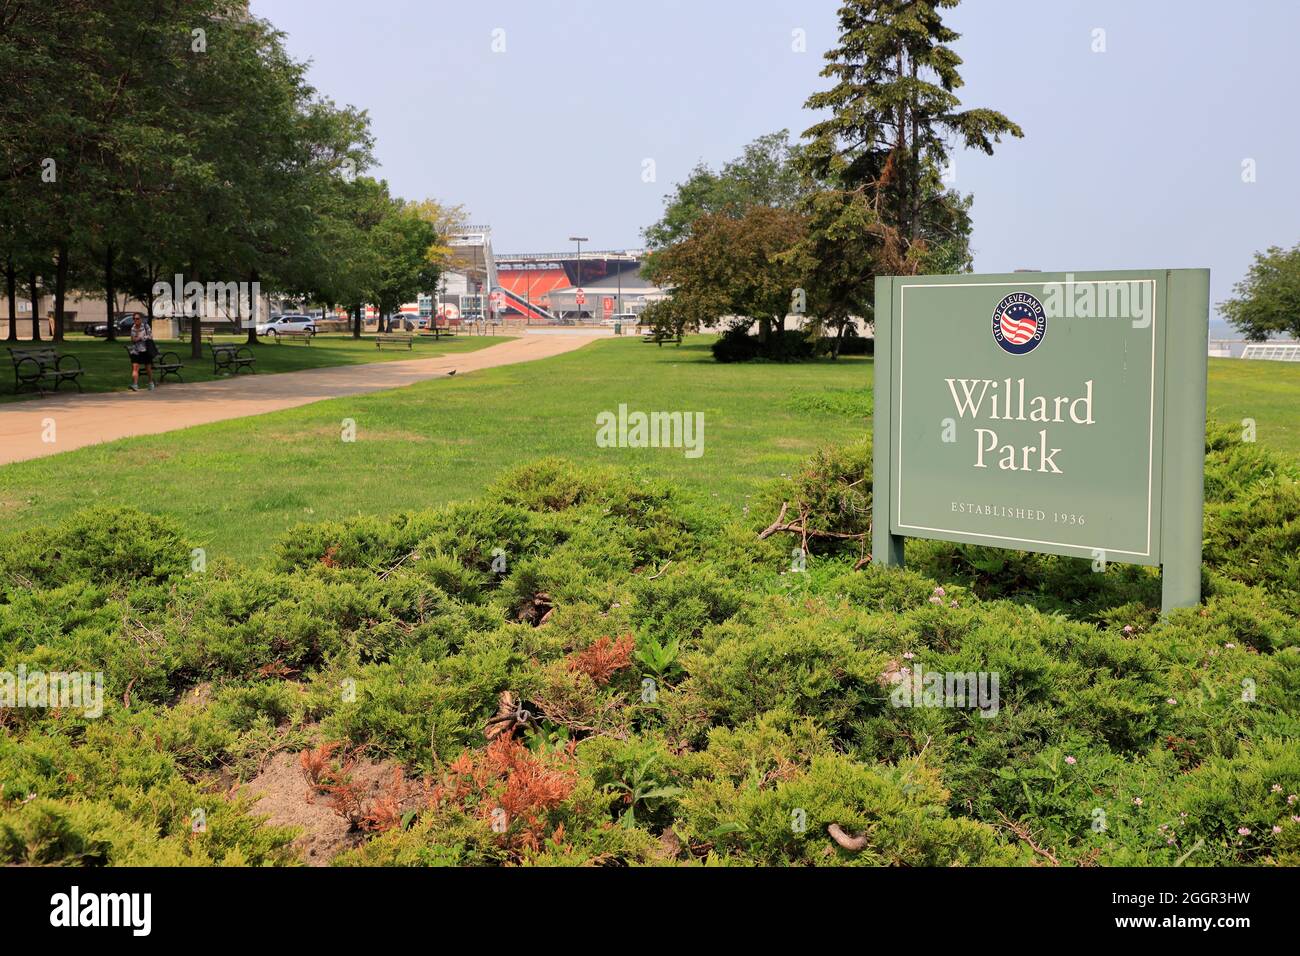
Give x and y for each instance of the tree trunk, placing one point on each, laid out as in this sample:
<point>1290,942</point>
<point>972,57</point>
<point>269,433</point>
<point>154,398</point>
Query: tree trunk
<point>839,340</point>
<point>11,290</point>
<point>60,289</point>
<point>252,308</point>
<point>764,328</point>
<point>36,309</point>
<point>356,321</point>
<point>196,326</point>
<point>110,295</point>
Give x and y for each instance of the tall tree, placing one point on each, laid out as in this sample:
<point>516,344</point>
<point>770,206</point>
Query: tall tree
<point>895,117</point>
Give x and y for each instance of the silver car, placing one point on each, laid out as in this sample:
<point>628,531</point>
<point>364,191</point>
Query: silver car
<point>288,323</point>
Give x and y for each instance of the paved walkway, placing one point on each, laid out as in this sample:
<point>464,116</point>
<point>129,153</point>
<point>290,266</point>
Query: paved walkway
<point>81,420</point>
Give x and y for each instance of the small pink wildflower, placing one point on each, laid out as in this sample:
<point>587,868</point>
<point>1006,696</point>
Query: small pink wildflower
<point>1071,761</point>
<point>1243,831</point>
<point>1137,801</point>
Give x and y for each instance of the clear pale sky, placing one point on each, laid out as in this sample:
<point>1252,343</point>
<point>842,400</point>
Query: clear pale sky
<point>1132,158</point>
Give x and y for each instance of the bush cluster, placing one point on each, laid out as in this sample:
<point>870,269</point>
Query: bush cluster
<point>689,694</point>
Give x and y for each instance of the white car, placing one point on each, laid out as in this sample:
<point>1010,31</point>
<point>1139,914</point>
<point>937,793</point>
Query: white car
<point>288,323</point>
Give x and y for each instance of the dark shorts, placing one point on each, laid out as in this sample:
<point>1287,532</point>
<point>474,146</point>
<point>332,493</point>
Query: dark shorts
<point>143,355</point>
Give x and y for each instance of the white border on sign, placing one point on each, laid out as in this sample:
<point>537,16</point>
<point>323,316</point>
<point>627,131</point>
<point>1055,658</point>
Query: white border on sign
<point>1151,427</point>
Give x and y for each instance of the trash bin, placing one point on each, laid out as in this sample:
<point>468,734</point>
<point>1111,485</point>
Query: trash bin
<point>618,328</point>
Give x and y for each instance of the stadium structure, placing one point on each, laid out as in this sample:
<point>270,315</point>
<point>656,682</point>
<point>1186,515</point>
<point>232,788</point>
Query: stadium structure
<point>536,288</point>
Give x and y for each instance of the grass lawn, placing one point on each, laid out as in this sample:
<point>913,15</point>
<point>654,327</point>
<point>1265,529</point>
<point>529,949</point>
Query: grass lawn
<point>1268,392</point>
<point>238,484</point>
<point>109,370</point>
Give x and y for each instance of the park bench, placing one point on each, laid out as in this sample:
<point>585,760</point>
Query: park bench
<point>395,339</point>
<point>440,330</point>
<point>230,358</point>
<point>35,368</point>
<point>659,338</point>
<point>294,336</point>
<point>165,363</point>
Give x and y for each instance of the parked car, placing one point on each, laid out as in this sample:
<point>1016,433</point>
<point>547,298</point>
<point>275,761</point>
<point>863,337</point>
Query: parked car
<point>288,323</point>
<point>122,325</point>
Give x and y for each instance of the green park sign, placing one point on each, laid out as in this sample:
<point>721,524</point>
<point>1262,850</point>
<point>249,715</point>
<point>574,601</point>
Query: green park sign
<point>1053,412</point>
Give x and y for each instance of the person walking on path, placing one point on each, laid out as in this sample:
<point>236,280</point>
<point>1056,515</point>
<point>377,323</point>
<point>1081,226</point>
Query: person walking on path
<point>142,350</point>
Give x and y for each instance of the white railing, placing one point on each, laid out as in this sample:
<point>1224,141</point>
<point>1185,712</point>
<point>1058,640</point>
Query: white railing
<point>1275,351</point>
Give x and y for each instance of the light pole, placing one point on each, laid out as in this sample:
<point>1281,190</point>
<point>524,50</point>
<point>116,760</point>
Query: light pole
<point>578,283</point>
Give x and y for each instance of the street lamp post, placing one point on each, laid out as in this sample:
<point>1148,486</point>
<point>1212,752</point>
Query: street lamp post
<point>578,282</point>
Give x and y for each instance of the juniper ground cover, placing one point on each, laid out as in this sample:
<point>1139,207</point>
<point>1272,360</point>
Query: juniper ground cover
<point>577,662</point>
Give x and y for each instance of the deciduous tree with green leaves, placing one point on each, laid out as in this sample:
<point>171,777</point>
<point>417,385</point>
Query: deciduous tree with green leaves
<point>765,174</point>
<point>735,266</point>
<point>1267,300</point>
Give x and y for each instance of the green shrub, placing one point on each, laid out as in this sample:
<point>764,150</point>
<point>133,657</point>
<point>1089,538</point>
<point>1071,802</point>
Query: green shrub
<point>1118,737</point>
<point>112,547</point>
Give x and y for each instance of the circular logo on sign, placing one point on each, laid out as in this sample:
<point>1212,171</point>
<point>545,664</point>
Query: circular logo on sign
<point>1019,323</point>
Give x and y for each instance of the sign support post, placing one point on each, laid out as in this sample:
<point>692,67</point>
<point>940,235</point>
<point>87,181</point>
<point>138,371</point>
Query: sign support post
<point>886,548</point>
<point>1187,350</point>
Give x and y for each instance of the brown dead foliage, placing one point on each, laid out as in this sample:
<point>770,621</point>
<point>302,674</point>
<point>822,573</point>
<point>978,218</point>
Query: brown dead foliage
<point>365,803</point>
<point>511,788</point>
<point>602,658</point>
